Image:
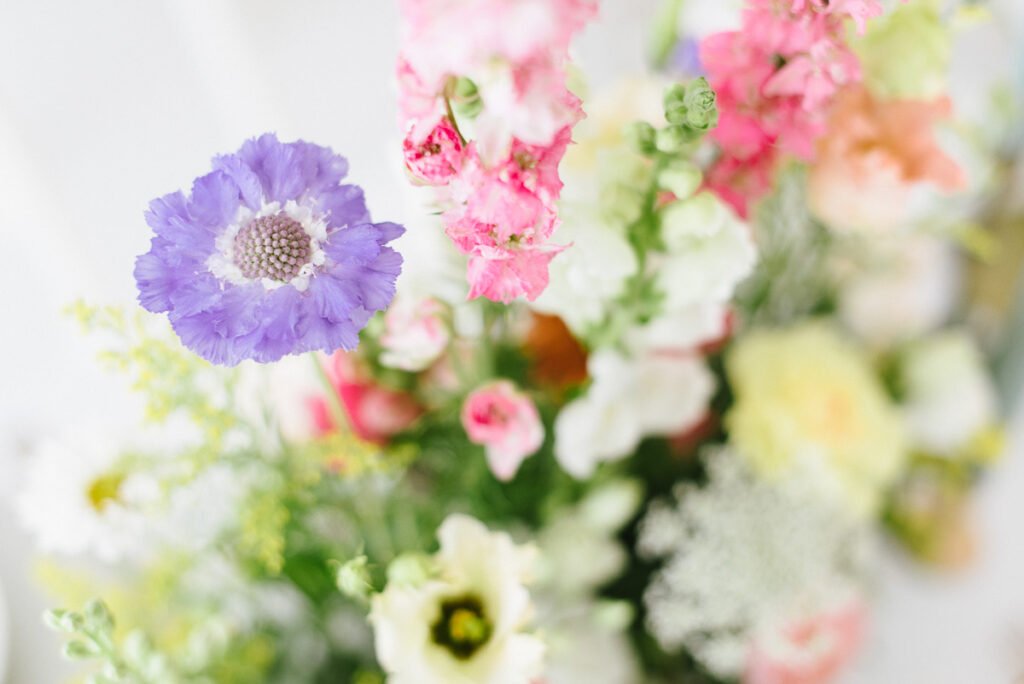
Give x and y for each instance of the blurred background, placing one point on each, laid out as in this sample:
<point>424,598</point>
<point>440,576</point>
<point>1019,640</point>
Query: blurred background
<point>106,104</point>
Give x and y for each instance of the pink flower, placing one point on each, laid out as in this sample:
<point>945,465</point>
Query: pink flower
<point>420,108</point>
<point>375,413</point>
<point>815,75</point>
<point>859,10</point>
<point>437,159</point>
<point>435,36</point>
<point>738,181</point>
<point>775,80</point>
<point>813,650</point>
<point>528,102</point>
<point>498,192</point>
<point>504,274</point>
<point>505,421</point>
<point>415,334</point>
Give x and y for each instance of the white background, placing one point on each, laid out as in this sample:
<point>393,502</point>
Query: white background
<point>105,104</point>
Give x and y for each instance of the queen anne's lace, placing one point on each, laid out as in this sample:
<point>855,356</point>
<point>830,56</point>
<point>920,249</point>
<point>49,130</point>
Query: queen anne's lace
<point>742,554</point>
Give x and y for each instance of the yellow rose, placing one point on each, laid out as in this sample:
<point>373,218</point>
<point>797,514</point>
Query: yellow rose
<point>807,400</point>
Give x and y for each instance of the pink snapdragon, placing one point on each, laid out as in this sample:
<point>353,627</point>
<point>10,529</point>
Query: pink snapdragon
<point>498,191</point>
<point>775,79</point>
<point>505,421</point>
<point>813,650</point>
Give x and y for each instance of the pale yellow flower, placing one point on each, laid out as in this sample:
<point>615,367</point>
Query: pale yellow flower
<point>807,400</point>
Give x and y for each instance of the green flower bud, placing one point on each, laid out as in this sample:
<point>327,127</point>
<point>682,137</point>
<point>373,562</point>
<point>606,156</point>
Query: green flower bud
<point>353,578</point>
<point>78,650</point>
<point>465,98</point>
<point>681,178</point>
<point>701,111</point>
<point>675,104</point>
<point>672,139</point>
<point>98,616</point>
<point>641,136</point>
<point>63,620</point>
<point>410,569</point>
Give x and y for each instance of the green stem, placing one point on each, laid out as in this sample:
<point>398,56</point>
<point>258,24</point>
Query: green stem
<point>334,405</point>
<point>451,117</point>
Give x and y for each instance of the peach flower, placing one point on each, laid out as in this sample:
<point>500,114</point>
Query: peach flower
<point>875,154</point>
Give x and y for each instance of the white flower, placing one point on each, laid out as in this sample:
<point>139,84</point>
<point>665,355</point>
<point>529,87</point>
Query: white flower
<point>910,290</point>
<point>655,394</point>
<point>78,498</point>
<point>587,278</point>
<point>710,252</point>
<point>604,180</point>
<point>949,396</point>
<point>589,643</point>
<point>744,555</point>
<point>463,626</point>
<point>415,334</point>
<point>579,548</point>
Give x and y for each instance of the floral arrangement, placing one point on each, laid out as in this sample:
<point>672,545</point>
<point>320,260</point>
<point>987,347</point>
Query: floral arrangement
<point>632,397</point>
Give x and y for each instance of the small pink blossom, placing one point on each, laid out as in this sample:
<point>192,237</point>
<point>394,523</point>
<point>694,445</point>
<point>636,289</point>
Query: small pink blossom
<point>374,412</point>
<point>415,334</point>
<point>435,36</point>
<point>816,75</point>
<point>527,102</point>
<point>505,421</point>
<point>813,650</point>
<point>775,80</point>
<point>437,159</point>
<point>502,275</point>
<point>858,10</point>
<point>420,108</point>
<point>497,192</point>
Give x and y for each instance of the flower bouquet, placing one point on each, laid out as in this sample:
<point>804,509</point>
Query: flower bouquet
<point>633,395</point>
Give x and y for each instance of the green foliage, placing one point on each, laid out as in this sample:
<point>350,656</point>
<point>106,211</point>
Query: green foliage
<point>792,279</point>
<point>91,633</point>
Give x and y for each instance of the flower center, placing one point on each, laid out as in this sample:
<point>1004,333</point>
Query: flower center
<point>104,490</point>
<point>462,626</point>
<point>275,247</point>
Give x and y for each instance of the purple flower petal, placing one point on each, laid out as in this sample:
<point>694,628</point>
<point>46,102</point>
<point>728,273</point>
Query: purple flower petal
<point>344,205</point>
<point>226,319</point>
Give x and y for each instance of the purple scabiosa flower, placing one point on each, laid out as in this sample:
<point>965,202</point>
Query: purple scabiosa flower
<point>271,254</point>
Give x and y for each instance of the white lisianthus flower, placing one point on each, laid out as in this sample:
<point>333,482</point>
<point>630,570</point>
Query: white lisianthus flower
<point>910,290</point>
<point>655,394</point>
<point>950,397</point>
<point>78,498</point>
<point>415,334</point>
<point>464,624</point>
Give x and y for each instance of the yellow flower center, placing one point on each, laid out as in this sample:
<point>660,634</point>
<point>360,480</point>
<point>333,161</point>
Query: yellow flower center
<point>462,627</point>
<point>104,490</point>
